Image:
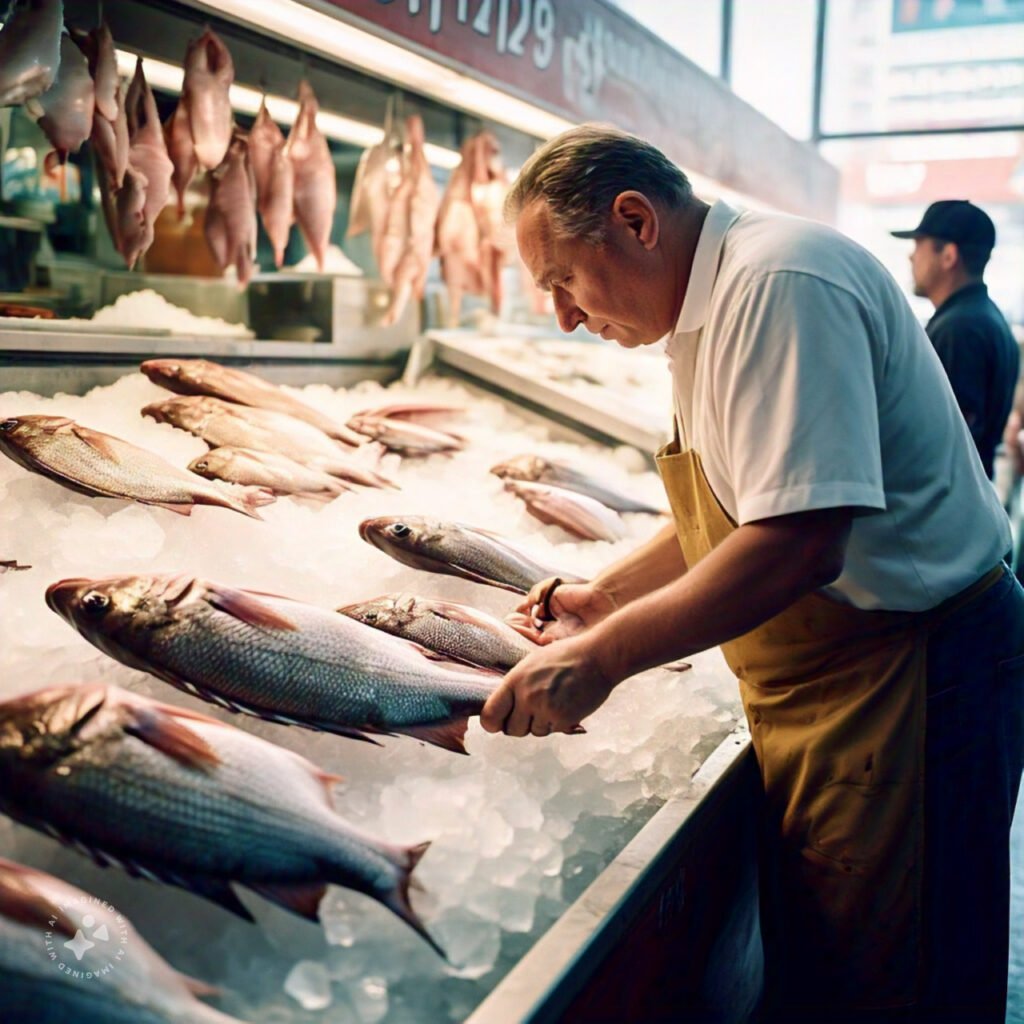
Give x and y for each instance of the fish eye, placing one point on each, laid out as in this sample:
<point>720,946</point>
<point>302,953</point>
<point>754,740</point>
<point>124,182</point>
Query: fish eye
<point>202,465</point>
<point>400,530</point>
<point>8,425</point>
<point>95,603</point>
<point>371,616</point>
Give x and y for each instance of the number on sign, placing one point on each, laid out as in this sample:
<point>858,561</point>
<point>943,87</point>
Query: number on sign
<point>544,27</point>
<point>515,42</point>
<point>482,21</point>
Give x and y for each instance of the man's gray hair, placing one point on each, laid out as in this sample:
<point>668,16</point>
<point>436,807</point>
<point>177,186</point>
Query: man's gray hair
<point>580,172</point>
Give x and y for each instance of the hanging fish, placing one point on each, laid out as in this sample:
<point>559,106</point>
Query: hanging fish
<point>111,144</point>
<point>316,190</point>
<point>65,110</point>
<point>230,225</point>
<point>275,181</point>
<point>98,47</point>
<point>29,49</point>
<point>182,152</point>
<point>205,92</point>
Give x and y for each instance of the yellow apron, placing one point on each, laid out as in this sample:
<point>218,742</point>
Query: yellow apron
<point>835,699</point>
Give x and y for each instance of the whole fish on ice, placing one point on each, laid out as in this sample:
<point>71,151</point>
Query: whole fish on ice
<point>455,631</point>
<point>415,412</point>
<point>209,72</point>
<point>316,189</point>
<point>456,550</point>
<point>29,49</point>
<point>537,469</point>
<point>273,657</point>
<point>129,983</point>
<point>101,465</point>
<point>202,377</point>
<point>275,180</point>
<point>221,423</point>
<point>405,437</point>
<point>174,796</point>
<point>578,514</point>
<point>230,226</point>
<point>271,470</point>
<point>65,111</point>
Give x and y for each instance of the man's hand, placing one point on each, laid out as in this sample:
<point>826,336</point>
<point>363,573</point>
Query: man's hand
<point>571,609</point>
<point>550,690</point>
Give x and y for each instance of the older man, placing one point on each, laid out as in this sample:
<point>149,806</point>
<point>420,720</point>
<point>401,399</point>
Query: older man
<point>835,533</point>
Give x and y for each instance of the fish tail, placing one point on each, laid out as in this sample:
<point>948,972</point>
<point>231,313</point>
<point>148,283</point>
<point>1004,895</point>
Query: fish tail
<point>251,499</point>
<point>397,900</point>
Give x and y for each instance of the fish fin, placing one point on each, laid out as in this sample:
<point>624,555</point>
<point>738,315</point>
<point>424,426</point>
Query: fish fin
<point>182,510</point>
<point>22,902</point>
<point>162,732</point>
<point>216,890</point>
<point>577,730</point>
<point>328,780</point>
<point>397,900</point>
<point>247,607</point>
<point>303,900</point>
<point>449,735</point>
<point>97,441</point>
<point>462,613</point>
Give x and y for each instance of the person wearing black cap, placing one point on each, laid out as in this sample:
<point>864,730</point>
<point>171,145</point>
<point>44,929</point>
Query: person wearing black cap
<point>953,243</point>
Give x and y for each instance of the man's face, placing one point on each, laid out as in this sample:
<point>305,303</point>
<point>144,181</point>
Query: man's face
<point>927,264</point>
<point>604,288</point>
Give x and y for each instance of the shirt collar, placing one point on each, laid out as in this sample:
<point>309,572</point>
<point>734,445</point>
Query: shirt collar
<point>967,292</point>
<point>720,218</point>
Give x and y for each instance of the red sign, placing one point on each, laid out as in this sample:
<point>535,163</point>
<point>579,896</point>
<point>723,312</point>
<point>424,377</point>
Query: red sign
<point>587,61</point>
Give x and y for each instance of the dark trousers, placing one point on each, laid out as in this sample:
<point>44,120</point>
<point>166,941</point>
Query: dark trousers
<point>974,759</point>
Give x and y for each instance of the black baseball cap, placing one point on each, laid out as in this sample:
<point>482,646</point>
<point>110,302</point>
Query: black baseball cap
<point>955,220</point>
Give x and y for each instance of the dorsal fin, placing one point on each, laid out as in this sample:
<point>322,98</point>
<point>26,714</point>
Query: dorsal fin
<point>97,441</point>
<point>20,901</point>
<point>165,733</point>
<point>247,607</point>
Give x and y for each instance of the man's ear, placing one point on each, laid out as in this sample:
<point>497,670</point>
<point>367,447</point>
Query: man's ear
<point>949,255</point>
<point>637,214</point>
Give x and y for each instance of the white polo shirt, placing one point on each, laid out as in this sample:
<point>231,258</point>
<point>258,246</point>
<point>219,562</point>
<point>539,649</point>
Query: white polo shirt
<point>804,381</point>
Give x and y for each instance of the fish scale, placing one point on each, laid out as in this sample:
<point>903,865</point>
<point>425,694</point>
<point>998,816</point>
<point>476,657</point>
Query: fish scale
<point>279,659</point>
<point>115,779</point>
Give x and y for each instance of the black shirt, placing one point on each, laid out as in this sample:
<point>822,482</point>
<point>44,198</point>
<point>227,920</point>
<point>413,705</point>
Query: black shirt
<point>981,359</point>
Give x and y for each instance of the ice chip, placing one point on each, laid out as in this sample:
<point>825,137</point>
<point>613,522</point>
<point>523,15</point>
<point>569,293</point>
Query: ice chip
<point>370,999</point>
<point>309,985</point>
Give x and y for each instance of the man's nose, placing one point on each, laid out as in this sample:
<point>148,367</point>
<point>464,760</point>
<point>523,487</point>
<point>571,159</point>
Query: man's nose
<point>569,315</point>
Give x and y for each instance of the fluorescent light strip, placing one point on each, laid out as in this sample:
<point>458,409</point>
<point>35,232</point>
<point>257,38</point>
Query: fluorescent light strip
<point>328,34</point>
<point>169,77</point>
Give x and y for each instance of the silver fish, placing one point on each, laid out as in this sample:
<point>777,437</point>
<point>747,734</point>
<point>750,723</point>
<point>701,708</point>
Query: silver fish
<point>405,437</point>
<point>177,797</point>
<point>272,657</point>
<point>203,377</point>
<point>221,423</point>
<point>537,469</point>
<point>271,470</point>
<point>104,466</point>
<point>209,72</point>
<point>29,50</point>
<point>415,412</point>
<point>456,550</point>
<point>576,513</point>
<point>130,982</point>
<point>455,631</point>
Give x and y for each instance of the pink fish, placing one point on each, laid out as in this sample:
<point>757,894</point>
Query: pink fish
<point>315,184</point>
<point>209,72</point>
<point>231,216</point>
<point>148,152</point>
<point>110,142</point>
<point>65,110</point>
<point>29,50</point>
<point>275,181</point>
<point>415,206</point>
<point>178,137</point>
<point>132,232</point>
<point>377,177</point>
<point>98,47</point>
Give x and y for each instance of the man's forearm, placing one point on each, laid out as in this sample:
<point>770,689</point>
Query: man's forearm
<point>758,571</point>
<point>648,568</point>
